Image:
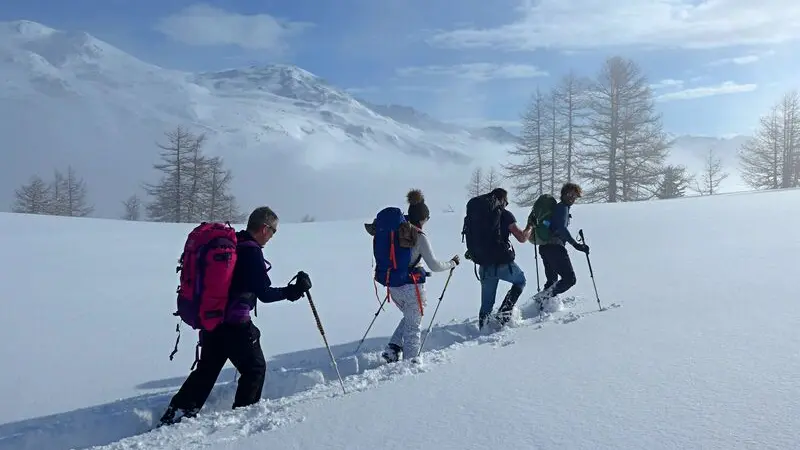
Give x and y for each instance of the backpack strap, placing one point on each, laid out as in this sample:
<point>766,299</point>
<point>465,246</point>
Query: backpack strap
<point>415,278</point>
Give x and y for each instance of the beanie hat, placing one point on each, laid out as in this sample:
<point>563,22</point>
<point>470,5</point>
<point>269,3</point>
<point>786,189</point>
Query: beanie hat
<point>417,210</point>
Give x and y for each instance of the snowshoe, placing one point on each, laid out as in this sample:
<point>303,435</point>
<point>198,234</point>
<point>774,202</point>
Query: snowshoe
<point>392,353</point>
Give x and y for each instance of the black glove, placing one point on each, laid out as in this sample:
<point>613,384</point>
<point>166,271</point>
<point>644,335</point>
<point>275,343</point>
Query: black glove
<point>303,281</point>
<point>456,259</point>
<point>297,289</point>
<point>293,292</point>
<point>581,247</point>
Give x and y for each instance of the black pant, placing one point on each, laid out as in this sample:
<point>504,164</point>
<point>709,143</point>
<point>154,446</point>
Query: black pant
<point>241,344</point>
<point>557,263</point>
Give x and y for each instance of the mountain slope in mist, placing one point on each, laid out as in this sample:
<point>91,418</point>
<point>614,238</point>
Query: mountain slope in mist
<point>69,98</point>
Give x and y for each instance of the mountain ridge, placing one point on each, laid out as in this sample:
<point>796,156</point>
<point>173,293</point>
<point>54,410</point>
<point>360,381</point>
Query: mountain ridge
<point>72,99</point>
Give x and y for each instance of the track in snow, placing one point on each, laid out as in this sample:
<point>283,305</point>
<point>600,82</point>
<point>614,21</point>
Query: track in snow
<point>298,378</point>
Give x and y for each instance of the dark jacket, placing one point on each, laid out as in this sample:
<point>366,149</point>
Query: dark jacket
<point>559,224</point>
<point>250,280</point>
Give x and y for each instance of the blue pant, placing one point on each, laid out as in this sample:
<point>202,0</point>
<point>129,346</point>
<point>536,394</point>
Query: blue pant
<point>490,275</point>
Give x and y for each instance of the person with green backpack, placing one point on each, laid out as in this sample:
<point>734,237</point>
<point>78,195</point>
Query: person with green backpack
<point>550,221</point>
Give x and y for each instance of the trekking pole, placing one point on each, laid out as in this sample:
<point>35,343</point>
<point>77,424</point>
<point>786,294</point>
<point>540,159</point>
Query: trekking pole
<point>371,323</point>
<point>430,325</point>
<point>322,332</point>
<point>536,257</point>
<point>591,272</point>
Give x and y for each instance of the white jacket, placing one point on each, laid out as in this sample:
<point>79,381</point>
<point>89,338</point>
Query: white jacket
<point>423,247</point>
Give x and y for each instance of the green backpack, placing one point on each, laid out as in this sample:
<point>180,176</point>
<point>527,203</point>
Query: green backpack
<point>540,216</point>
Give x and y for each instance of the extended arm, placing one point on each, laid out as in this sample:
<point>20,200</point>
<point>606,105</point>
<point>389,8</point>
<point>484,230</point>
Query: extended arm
<point>521,235</point>
<point>430,259</point>
<point>252,262</point>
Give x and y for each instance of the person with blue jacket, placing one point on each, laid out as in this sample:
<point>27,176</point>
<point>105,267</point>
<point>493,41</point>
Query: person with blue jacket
<point>553,251</point>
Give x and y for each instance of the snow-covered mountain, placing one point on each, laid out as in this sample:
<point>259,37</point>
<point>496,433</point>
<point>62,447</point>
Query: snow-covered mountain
<point>69,98</point>
<point>692,152</point>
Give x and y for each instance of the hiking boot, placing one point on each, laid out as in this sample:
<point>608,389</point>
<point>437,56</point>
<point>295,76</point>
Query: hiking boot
<point>392,353</point>
<point>169,415</point>
<point>504,313</point>
<point>544,293</point>
<point>482,321</point>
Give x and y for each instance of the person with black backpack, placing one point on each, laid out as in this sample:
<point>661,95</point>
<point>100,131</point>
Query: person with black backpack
<point>551,221</point>
<point>487,228</point>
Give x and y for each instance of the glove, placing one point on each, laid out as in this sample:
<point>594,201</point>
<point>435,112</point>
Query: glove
<point>303,281</point>
<point>582,248</point>
<point>297,289</point>
<point>293,292</point>
<point>456,259</point>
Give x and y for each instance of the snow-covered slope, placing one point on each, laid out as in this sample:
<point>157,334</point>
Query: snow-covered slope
<point>695,349</point>
<point>69,98</point>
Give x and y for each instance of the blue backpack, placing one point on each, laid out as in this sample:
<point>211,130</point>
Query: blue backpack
<point>393,239</point>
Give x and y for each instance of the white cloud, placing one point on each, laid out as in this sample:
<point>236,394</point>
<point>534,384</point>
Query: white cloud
<point>727,87</point>
<point>742,60</point>
<point>476,71</point>
<point>667,83</point>
<point>585,24</point>
<point>202,24</point>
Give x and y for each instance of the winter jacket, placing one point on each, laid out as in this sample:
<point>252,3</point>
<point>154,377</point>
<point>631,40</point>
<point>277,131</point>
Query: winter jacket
<point>559,224</point>
<point>423,248</point>
<point>250,281</point>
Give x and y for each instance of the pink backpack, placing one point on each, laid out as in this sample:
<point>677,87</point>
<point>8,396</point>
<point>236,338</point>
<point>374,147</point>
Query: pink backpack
<point>206,268</point>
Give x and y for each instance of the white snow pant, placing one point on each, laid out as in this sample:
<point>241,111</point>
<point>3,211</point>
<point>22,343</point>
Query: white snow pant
<point>407,333</point>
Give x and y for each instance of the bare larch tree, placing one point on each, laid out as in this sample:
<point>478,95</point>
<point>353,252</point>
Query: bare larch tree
<point>713,175</point>
<point>76,202</point>
<point>529,176</point>
<point>625,146</point>
<point>492,180</point>
<point>133,208</point>
<point>33,197</point>
<point>771,159</point>
<point>193,187</point>
<point>570,104</point>
<point>475,186</point>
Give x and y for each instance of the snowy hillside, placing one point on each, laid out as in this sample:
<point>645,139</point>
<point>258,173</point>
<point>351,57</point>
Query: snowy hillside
<point>695,350</point>
<point>69,98</point>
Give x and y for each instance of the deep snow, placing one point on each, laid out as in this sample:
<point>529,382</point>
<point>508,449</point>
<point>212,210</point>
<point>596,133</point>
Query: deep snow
<point>701,352</point>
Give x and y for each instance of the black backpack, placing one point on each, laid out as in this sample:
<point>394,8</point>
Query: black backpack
<point>486,244</point>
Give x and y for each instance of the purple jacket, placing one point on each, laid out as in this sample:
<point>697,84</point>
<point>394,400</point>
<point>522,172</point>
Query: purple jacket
<point>250,280</point>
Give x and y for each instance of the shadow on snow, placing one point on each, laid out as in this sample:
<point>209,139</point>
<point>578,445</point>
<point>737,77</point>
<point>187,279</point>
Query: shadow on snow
<point>288,374</point>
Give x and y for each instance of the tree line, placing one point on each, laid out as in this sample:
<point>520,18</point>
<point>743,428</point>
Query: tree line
<point>604,133</point>
<point>771,159</point>
<point>193,187</point>
<point>63,195</point>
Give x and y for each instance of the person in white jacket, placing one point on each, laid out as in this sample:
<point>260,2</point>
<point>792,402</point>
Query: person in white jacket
<point>411,298</point>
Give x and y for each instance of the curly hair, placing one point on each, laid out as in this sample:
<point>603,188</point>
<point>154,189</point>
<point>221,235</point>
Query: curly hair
<point>571,187</point>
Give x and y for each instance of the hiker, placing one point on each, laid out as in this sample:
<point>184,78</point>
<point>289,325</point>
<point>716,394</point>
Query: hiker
<point>237,338</point>
<point>406,285</point>
<point>487,228</point>
<point>552,248</point>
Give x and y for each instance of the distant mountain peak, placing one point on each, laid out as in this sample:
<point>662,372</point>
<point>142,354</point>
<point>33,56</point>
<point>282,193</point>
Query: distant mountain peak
<point>26,28</point>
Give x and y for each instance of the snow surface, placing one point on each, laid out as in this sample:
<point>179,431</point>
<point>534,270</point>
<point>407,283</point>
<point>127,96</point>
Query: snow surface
<point>697,347</point>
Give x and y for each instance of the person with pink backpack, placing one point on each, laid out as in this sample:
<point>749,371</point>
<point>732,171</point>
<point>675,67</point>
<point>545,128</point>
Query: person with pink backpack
<point>223,274</point>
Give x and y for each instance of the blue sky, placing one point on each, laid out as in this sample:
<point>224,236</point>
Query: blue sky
<point>716,65</point>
